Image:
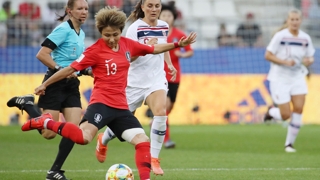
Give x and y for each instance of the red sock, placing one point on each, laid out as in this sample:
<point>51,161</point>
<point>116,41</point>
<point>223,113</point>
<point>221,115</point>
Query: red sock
<point>143,160</point>
<point>167,136</point>
<point>67,130</point>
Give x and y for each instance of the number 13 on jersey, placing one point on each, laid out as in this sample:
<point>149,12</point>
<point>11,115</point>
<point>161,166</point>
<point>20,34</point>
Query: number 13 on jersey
<point>111,68</point>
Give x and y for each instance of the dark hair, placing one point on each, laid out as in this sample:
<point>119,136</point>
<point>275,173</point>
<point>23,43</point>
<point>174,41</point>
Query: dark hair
<point>110,17</point>
<point>6,4</point>
<point>170,7</point>
<point>137,12</point>
<point>70,5</point>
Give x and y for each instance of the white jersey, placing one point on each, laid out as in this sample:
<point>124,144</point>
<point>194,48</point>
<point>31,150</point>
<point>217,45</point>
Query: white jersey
<point>149,69</point>
<point>285,46</point>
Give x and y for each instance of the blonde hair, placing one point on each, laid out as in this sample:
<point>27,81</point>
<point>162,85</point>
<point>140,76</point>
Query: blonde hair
<point>285,24</point>
<point>296,11</point>
<point>112,17</point>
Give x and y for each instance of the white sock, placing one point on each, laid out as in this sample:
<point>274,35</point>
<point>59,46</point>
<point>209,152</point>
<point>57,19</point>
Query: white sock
<point>157,133</point>
<point>293,128</point>
<point>46,122</point>
<point>275,113</point>
<point>107,136</point>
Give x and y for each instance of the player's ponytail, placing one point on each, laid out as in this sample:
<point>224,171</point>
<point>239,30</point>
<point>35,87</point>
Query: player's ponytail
<point>61,18</point>
<point>284,26</point>
<point>137,12</point>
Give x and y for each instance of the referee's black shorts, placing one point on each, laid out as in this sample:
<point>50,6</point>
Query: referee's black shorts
<point>173,90</point>
<point>118,120</point>
<point>62,94</point>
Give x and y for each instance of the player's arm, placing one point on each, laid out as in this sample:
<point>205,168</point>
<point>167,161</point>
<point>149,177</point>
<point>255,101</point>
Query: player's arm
<point>173,71</point>
<point>273,58</point>
<point>185,54</point>
<point>63,73</point>
<point>160,48</point>
<point>309,59</point>
<point>273,48</point>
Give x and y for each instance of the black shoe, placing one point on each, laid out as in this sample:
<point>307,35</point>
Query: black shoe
<point>20,101</point>
<point>56,175</point>
<point>267,116</point>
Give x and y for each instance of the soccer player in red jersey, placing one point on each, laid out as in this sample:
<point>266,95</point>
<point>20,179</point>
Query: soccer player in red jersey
<point>109,59</point>
<point>169,14</point>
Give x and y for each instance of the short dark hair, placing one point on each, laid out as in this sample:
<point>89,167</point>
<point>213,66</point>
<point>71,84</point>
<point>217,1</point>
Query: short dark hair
<point>6,4</point>
<point>170,7</point>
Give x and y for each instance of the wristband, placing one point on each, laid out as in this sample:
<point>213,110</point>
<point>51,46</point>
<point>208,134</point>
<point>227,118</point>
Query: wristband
<point>176,44</point>
<point>85,72</point>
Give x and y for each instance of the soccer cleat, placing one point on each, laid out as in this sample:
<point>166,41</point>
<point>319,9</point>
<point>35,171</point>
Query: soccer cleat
<point>36,123</point>
<point>155,166</point>
<point>20,101</point>
<point>169,144</point>
<point>56,175</point>
<point>101,150</point>
<point>267,116</point>
<point>289,149</point>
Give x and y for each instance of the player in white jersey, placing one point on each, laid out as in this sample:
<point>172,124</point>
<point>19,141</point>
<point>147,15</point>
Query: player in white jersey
<point>147,78</point>
<point>290,52</point>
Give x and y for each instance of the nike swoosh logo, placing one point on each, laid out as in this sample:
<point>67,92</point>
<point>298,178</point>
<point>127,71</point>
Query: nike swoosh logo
<point>145,33</point>
<point>108,60</point>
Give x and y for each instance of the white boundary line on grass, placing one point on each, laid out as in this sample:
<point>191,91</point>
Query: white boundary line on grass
<point>177,169</point>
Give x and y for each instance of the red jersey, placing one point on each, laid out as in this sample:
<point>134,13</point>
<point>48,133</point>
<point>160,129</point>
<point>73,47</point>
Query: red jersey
<point>175,36</point>
<point>110,70</point>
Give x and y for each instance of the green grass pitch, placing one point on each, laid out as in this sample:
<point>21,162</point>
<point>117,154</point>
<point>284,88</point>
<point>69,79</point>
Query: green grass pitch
<point>229,152</point>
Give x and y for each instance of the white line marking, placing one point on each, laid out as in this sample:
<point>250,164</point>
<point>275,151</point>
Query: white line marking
<point>177,169</point>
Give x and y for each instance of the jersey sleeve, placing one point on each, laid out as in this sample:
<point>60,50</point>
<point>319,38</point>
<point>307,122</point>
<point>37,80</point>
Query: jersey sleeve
<point>310,50</point>
<point>138,49</point>
<point>274,43</point>
<point>87,59</point>
<point>132,32</point>
<point>58,35</point>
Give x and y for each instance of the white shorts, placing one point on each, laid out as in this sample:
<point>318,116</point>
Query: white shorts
<point>136,96</point>
<point>281,92</point>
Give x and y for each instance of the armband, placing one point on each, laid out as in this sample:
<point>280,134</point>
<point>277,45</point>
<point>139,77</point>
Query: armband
<point>85,72</point>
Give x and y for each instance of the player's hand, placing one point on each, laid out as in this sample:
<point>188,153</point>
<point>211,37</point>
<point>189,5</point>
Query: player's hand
<point>173,72</point>
<point>152,41</point>
<point>289,63</point>
<point>307,61</point>
<point>40,90</point>
<point>178,53</point>
<point>184,41</point>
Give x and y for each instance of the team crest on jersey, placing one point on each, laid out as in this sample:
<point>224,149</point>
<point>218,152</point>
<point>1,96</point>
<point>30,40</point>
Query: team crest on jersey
<point>164,33</point>
<point>175,39</point>
<point>128,56</point>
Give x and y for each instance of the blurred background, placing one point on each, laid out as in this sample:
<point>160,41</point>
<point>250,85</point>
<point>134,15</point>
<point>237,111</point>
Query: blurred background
<point>224,82</point>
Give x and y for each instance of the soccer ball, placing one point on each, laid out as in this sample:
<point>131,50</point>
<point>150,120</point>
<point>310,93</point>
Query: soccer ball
<point>119,172</point>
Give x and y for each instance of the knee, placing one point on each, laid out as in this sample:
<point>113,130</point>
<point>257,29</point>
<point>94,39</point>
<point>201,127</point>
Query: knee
<point>285,115</point>
<point>47,134</point>
<point>140,138</point>
<point>298,110</point>
<point>160,111</point>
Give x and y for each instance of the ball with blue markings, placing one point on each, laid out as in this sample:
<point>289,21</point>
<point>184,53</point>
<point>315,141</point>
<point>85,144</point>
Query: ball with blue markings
<point>119,172</point>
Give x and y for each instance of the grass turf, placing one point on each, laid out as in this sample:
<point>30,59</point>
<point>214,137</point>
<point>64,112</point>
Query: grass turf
<point>203,152</point>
